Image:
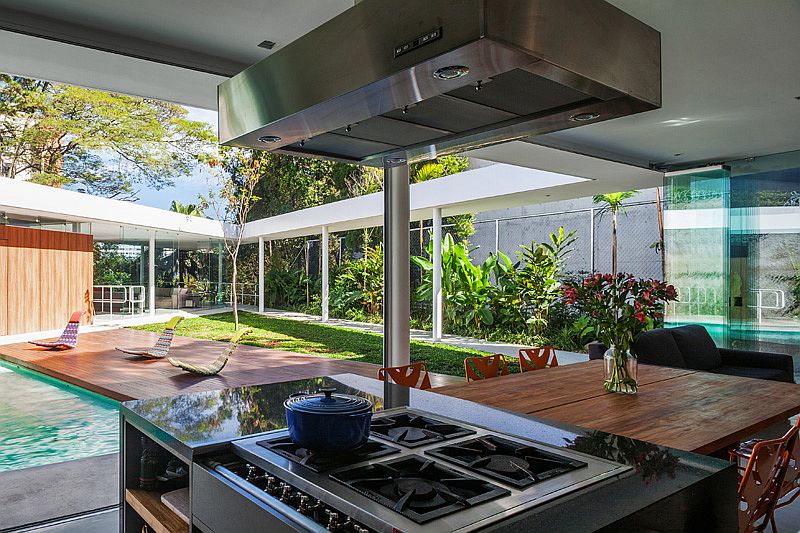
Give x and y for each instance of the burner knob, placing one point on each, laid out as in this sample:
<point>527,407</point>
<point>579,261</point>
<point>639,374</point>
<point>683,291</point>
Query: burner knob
<point>359,529</point>
<point>270,488</point>
<point>333,520</point>
<point>287,494</point>
<point>251,473</point>
<point>304,508</point>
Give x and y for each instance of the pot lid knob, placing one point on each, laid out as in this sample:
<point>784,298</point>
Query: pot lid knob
<point>328,392</point>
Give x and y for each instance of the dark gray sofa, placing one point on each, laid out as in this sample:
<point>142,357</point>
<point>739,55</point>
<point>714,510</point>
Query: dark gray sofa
<point>692,347</point>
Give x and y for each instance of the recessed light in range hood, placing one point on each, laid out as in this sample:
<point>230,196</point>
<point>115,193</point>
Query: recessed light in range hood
<point>437,76</point>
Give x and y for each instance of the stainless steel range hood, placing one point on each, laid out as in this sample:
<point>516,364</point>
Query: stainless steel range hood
<point>430,77</point>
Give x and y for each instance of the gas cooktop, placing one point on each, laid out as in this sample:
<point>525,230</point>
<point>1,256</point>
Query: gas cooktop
<point>419,468</point>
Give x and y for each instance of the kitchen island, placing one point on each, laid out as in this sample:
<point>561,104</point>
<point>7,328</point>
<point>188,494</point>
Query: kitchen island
<point>232,443</point>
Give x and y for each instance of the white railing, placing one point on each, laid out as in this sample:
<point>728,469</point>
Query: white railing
<point>220,293</point>
<point>765,299</point>
<point>130,297</point>
<point>779,301</point>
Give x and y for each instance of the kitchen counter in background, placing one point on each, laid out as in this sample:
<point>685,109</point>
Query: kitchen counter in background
<point>668,490</point>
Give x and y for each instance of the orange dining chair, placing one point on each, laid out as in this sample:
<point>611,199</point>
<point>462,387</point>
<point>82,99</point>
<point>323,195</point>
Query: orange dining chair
<point>490,366</point>
<point>762,480</point>
<point>790,488</point>
<point>536,358</point>
<point>414,375</point>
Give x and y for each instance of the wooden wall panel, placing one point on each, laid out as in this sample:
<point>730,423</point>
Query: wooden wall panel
<point>3,284</point>
<point>24,296</point>
<point>49,275</point>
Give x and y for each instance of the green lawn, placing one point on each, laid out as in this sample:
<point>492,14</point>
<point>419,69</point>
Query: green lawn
<point>318,339</point>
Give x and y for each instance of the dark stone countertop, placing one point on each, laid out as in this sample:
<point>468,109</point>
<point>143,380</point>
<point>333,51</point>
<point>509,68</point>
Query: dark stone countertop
<point>202,422</point>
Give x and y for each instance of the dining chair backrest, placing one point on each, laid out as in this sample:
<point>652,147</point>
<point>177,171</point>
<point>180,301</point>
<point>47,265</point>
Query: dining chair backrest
<point>490,366</point>
<point>537,358</point>
<point>759,489</point>
<point>414,375</point>
<point>790,488</point>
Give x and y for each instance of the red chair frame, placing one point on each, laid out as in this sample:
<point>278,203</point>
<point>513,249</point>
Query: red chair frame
<point>414,375</point>
<point>537,358</point>
<point>490,366</point>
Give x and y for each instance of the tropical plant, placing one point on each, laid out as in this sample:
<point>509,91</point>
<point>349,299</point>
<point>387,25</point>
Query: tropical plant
<point>191,210</point>
<point>358,285</point>
<point>539,280</point>
<point>284,288</point>
<point>465,287</point>
<point>620,307</point>
<point>614,202</point>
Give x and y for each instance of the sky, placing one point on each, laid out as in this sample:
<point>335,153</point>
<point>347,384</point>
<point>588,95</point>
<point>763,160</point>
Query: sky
<point>187,188</point>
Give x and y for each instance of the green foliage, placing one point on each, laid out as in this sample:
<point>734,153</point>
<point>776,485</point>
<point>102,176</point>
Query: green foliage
<point>111,267</point>
<point>357,289</point>
<point>285,289</point>
<point>318,339</point>
<point>538,280</point>
<point>191,210</point>
<point>465,287</point>
<point>106,143</point>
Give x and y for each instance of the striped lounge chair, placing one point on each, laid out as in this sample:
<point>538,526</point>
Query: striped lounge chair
<point>161,348</point>
<point>219,363</point>
<point>68,339</point>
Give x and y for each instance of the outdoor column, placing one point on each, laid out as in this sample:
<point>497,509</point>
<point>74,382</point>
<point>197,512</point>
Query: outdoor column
<point>437,274</point>
<point>151,273</point>
<point>396,276</point>
<point>324,264</point>
<point>261,274</point>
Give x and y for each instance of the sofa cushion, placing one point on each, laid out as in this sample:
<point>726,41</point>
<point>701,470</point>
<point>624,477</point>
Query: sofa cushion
<point>658,347</point>
<point>697,347</point>
<point>752,372</point>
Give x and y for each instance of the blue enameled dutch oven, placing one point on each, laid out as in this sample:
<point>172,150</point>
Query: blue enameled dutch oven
<point>327,422</point>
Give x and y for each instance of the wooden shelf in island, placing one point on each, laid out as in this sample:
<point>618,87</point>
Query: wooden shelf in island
<point>158,516</point>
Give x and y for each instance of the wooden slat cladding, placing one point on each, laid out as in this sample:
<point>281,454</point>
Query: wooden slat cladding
<point>3,284</point>
<point>46,276</point>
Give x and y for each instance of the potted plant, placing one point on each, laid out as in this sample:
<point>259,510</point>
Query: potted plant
<point>621,307</point>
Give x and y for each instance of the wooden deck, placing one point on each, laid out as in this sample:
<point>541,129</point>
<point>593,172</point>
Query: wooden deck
<point>96,366</point>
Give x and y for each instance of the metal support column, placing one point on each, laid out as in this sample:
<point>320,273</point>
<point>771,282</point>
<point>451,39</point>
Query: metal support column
<point>151,273</point>
<point>261,274</point>
<point>437,274</point>
<point>324,256</point>
<point>396,271</point>
<point>496,236</point>
<point>591,240</point>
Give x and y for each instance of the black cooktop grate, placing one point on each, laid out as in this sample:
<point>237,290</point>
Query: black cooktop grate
<point>321,462</point>
<point>516,463</point>
<point>418,488</point>
<point>411,430</point>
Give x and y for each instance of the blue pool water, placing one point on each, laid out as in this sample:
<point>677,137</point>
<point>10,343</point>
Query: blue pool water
<point>44,421</point>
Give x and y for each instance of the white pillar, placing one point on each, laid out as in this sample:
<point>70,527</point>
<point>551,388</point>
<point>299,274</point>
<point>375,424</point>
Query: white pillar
<point>438,308</point>
<point>261,274</point>
<point>324,259</point>
<point>151,273</point>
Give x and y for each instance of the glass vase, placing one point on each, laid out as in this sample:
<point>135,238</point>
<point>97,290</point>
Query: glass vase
<point>620,371</point>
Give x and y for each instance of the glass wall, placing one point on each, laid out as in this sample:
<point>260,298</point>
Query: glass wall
<point>733,251</point>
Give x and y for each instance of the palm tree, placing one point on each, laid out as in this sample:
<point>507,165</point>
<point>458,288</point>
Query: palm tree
<point>191,210</point>
<point>614,203</point>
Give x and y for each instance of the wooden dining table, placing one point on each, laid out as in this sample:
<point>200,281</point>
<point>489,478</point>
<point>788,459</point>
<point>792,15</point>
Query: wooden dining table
<point>680,408</point>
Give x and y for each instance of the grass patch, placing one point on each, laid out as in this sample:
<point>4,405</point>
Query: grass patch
<point>318,339</point>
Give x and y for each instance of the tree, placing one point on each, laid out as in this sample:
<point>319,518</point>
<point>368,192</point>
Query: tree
<point>239,171</point>
<point>614,203</point>
<point>105,143</point>
<point>191,210</point>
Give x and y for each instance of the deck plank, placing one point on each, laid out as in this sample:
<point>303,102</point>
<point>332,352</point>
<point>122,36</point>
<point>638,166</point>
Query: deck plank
<point>96,366</point>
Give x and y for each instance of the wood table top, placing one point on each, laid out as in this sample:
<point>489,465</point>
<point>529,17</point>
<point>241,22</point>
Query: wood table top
<point>679,408</point>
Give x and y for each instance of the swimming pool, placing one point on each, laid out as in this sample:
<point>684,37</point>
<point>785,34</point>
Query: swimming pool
<point>44,421</point>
